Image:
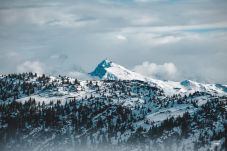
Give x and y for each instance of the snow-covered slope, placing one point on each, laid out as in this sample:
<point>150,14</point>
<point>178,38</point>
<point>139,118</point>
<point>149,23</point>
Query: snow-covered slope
<point>54,113</point>
<point>187,87</point>
<point>108,70</point>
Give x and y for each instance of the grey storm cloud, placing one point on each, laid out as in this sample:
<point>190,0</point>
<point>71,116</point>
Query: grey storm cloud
<point>56,36</point>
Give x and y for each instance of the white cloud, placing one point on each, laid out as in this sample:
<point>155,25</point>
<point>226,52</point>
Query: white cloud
<point>141,20</point>
<point>167,39</point>
<point>121,37</point>
<point>153,39</point>
<point>167,71</point>
<point>31,66</point>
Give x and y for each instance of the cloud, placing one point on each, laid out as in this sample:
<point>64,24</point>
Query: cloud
<point>149,1</point>
<point>221,25</point>
<point>43,16</point>
<point>166,71</point>
<point>121,37</point>
<point>59,57</point>
<point>61,34</point>
<point>31,66</point>
<point>167,39</point>
<point>143,20</point>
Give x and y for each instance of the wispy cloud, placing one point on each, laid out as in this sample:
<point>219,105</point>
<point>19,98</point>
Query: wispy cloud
<point>31,66</point>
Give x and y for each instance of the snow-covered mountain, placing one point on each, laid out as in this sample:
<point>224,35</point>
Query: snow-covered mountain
<point>122,110</point>
<point>108,70</point>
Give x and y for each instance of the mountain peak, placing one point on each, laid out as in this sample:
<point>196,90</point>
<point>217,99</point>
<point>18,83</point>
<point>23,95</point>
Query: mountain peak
<point>106,63</point>
<point>111,71</point>
<point>100,70</point>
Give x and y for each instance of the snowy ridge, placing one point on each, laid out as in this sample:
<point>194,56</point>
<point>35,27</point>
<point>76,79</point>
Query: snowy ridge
<point>108,70</point>
<point>188,87</point>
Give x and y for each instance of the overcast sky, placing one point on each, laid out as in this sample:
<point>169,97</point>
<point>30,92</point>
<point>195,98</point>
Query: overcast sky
<point>166,39</point>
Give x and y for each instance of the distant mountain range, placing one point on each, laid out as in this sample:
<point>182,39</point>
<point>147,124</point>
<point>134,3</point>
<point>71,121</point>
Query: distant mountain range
<point>117,110</point>
<point>108,70</point>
